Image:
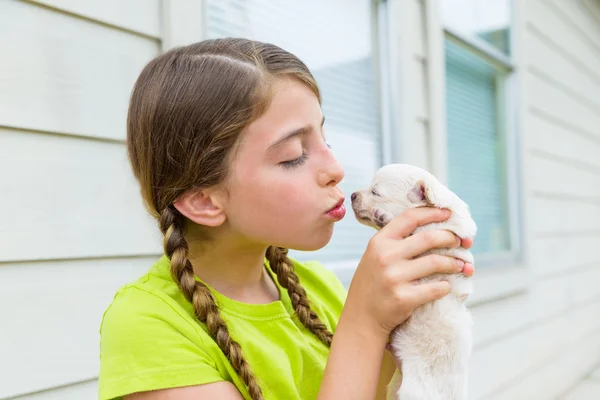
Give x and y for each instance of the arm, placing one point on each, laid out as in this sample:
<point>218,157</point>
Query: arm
<point>218,390</point>
<point>388,367</point>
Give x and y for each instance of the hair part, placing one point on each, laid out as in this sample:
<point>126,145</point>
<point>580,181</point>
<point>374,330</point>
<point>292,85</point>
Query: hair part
<point>187,110</point>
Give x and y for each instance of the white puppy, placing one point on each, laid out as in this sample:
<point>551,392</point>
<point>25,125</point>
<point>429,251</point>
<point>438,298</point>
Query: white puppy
<point>434,344</point>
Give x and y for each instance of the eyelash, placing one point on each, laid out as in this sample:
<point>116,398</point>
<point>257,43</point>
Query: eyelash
<point>295,163</point>
<point>298,161</point>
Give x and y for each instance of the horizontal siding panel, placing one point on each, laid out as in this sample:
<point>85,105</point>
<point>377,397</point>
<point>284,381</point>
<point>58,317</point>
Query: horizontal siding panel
<point>546,58</point>
<point>557,254</point>
<point>546,135</point>
<point>78,391</point>
<point>563,175</point>
<point>554,24</point>
<point>550,99</point>
<point>558,215</point>
<point>71,198</point>
<point>544,300</point>
<point>557,375</point>
<point>494,367</point>
<point>65,301</point>
<point>141,16</point>
<point>580,19</point>
<point>65,74</point>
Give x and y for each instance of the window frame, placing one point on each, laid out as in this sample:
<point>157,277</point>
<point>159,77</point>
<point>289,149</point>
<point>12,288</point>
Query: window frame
<point>507,132</point>
<point>507,274</point>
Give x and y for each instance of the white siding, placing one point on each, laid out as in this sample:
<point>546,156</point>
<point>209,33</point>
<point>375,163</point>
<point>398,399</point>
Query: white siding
<point>66,74</point>
<point>541,343</point>
<point>538,342</point>
<point>73,228</point>
<point>137,16</point>
<point>78,391</point>
<point>63,98</point>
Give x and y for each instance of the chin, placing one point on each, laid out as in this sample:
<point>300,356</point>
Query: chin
<point>313,242</point>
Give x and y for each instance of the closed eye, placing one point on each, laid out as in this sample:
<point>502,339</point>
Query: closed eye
<point>295,163</point>
<point>374,193</point>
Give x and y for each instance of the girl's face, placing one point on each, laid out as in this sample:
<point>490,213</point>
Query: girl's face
<point>283,188</point>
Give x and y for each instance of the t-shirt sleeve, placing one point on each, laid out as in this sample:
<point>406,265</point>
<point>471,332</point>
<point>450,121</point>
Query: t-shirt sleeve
<point>147,345</point>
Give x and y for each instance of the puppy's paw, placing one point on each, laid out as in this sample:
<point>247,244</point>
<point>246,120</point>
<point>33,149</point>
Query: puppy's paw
<point>380,217</point>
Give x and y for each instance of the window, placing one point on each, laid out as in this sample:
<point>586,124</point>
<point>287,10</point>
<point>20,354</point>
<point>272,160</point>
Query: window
<point>480,133</point>
<point>335,39</point>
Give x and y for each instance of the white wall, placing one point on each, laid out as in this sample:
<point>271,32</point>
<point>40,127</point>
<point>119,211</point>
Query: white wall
<point>541,334</point>
<point>63,96</point>
<point>73,228</point>
<point>555,335</point>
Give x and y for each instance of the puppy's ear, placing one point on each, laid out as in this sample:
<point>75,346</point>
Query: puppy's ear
<point>434,195</point>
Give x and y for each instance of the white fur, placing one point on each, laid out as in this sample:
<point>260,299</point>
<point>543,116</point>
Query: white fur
<point>434,344</point>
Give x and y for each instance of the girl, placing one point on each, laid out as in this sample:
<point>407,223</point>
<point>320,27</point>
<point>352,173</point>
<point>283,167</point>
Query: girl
<point>225,138</point>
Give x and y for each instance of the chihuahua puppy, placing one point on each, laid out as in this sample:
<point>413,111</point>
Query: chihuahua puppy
<point>434,345</point>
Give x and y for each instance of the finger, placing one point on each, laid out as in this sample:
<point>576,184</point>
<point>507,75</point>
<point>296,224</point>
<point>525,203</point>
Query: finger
<point>467,243</point>
<point>405,224</point>
<point>423,241</point>
<point>428,292</point>
<point>468,270</point>
<point>431,264</point>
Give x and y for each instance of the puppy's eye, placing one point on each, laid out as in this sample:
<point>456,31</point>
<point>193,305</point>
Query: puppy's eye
<point>374,193</point>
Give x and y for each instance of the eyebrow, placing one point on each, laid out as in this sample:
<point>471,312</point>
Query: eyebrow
<point>296,132</point>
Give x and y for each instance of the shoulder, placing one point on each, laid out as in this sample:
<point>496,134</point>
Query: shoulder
<point>149,340</point>
<point>153,296</point>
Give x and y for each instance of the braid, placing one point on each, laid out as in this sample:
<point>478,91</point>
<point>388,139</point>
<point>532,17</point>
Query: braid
<point>172,224</point>
<point>282,266</point>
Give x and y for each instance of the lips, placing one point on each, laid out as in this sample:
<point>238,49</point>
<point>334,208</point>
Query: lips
<point>338,211</point>
<point>337,205</point>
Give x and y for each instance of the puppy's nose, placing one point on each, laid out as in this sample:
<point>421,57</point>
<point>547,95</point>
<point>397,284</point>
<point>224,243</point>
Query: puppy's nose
<point>353,196</point>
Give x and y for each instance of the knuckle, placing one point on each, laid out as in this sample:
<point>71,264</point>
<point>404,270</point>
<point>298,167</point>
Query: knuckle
<point>457,241</point>
<point>400,297</point>
<point>385,258</point>
<point>440,290</point>
<point>430,237</point>
<point>439,261</point>
<point>411,218</point>
<point>375,242</point>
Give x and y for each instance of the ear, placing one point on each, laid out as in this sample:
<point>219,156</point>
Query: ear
<point>204,207</point>
<point>436,195</point>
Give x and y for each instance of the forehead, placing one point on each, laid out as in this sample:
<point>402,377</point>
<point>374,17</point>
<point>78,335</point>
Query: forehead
<point>293,106</point>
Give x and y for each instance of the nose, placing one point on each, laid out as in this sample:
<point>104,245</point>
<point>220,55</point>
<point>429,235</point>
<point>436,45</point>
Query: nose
<point>353,196</point>
<point>331,173</point>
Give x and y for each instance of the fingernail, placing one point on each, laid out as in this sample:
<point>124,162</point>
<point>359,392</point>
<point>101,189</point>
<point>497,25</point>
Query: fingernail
<point>461,264</point>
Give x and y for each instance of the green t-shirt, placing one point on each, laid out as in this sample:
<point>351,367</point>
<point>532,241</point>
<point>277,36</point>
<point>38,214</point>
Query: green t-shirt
<point>150,338</point>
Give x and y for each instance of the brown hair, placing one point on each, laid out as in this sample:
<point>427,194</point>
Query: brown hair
<point>187,110</point>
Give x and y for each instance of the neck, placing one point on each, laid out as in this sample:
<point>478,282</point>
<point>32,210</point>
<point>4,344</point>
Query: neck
<point>233,268</point>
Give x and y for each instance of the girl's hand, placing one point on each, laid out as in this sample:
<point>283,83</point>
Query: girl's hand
<point>383,292</point>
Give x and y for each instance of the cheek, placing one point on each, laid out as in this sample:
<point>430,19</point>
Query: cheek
<point>268,199</point>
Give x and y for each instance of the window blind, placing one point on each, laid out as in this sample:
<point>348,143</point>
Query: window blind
<point>334,39</point>
<point>476,167</point>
